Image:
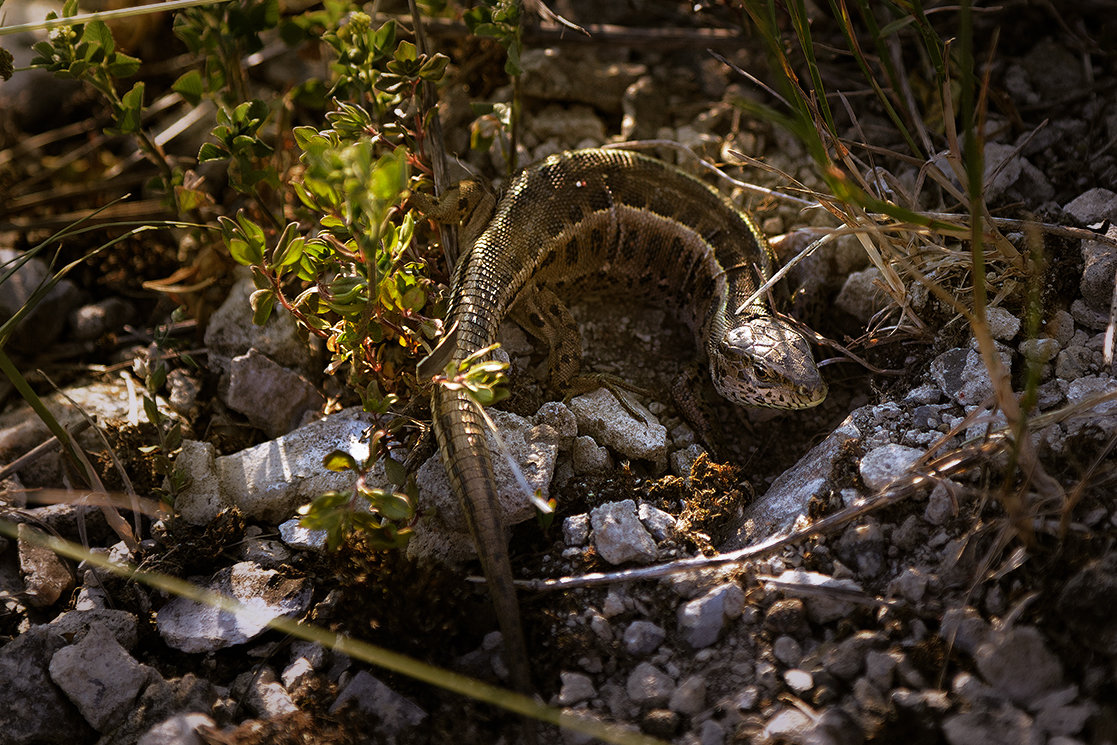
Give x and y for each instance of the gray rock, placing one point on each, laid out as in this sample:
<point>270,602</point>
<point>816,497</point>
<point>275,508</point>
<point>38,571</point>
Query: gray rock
<point>846,659</point>
<point>1018,663</point>
<point>560,418</point>
<point>190,626</point>
<point>648,686</point>
<point>798,680</point>
<point>786,616</point>
<point>601,416</point>
<point>306,657</point>
<point>617,601</point>
<point>1056,714</point>
<point>1098,271</point>
<point>1090,387</point>
<point>33,710</point>
<point>269,481</point>
<point>642,638</point>
<point>1009,174</point>
<point>231,333</point>
<point>787,723</point>
<point>787,650</point>
<point>786,500</point>
<point>682,461</point>
<point>1039,351</point>
<point>90,322</point>
<point>267,553</point>
<point>1086,604</point>
<point>273,398</point>
<point>1093,206</point>
<point>576,530</point>
<point>181,729</point>
<point>21,429</point>
<point>296,536</point>
<point>961,374</point>
<point>264,694</point>
<point>183,392</point>
<point>702,620</point>
<point>821,606</point>
<point>45,574</point>
<point>1004,726</point>
<point>861,296</point>
<point>396,713</point>
<point>1002,325</point>
<point>574,75</point>
<point>690,696</point>
<point>76,624</point>
<point>575,125</point>
<point>1075,362</point>
<point>883,465</point>
<point>42,325</point>
<point>659,523</point>
<point>940,504</point>
<point>534,448</point>
<point>1087,317</point>
<point>618,534</point>
<point>576,688</point>
<point>159,701</point>
<point>879,669</point>
<point>199,502</point>
<point>662,723</point>
<point>711,732</point>
<point>589,457</point>
<point>911,584</point>
<point>99,676</point>
<point>1060,326</point>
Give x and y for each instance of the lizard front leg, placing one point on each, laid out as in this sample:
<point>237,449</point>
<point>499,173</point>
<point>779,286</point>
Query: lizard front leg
<point>543,315</point>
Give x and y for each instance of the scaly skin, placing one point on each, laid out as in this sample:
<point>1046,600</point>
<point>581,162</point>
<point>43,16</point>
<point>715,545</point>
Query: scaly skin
<point>594,220</point>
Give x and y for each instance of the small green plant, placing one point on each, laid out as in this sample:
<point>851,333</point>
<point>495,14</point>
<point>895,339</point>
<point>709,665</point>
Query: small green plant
<point>168,430</point>
<point>361,283</point>
<point>382,515</point>
<point>88,53</point>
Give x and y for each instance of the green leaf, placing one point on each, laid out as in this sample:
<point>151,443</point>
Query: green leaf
<point>123,65</point>
<point>189,86</point>
<point>290,255</point>
<point>433,69</point>
<point>304,136</point>
<point>395,471</point>
<point>7,64</point>
<point>395,507</point>
<point>209,151</point>
<point>384,37</point>
<point>152,411</point>
<point>406,52</point>
<point>339,460</point>
<point>263,303</point>
<point>99,36</point>
<point>128,118</point>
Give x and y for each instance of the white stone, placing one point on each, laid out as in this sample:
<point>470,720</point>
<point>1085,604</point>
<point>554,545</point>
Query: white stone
<point>99,676</point>
<point>601,416</point>
<point>190,626</point>
<point>883,465</point>
<point>618,534</point>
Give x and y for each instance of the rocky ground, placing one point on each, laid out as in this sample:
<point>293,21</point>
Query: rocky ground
<point>929,591</point>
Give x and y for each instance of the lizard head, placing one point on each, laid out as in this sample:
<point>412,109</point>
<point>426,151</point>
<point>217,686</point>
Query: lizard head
<point>765,362</point>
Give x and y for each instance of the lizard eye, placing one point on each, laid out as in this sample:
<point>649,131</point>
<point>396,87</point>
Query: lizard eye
<point>763,374</point>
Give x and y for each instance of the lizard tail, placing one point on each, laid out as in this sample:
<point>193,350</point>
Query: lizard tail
<point>465,454</point>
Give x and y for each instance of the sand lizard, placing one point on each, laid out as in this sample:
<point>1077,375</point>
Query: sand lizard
<point>600,220</point>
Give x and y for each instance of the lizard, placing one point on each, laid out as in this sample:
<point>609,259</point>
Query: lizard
<point>594,220</point>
